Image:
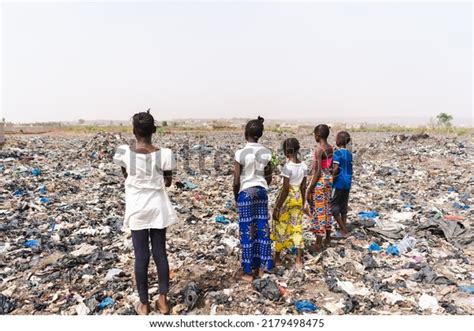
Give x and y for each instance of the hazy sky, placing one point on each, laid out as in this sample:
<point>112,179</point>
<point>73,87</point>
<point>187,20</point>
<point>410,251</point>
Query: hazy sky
<point>65,61</point>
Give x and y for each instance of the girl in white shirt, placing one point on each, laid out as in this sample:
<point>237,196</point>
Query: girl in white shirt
<point>288,211</point>
<point>148,209</point>
<point>252,175</point>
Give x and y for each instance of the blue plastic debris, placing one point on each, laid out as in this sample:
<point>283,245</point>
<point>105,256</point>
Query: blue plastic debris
<point>467,288</point>
<point>108,301</point>
<point>186,185</point>
<point>42,189</point>
<point>189,185</point>
<point>36,171</point>
<point>305,306</point>
<point>374,248</point>
<point>44,200</point>
<point>221,219</point>
<point>19,193</point>
<point>457,205</point>
<point>32,243</point>
<point>392,250</point>
<point>368,215</point>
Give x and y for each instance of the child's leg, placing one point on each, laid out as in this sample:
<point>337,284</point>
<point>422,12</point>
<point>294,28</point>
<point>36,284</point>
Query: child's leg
<point>158,247</point>
<point>318,244</point>
<point>142,259</point>
<point>299,254</point>
<point>262,237</point>
<point>327,202</point>
<point>344,207</point>
<point>277,258</point>
<point>319,217</point>
<point>245,222</point>
<point>344,221</point>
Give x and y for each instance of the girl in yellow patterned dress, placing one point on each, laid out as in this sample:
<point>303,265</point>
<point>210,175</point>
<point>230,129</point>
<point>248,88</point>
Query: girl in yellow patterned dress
<point>288,211</point>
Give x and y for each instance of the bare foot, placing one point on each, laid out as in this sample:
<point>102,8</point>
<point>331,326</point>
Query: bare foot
<point>142,308</point>
<point>277,261</point>
<point>299,265</point>
<point>162,304</point>
<point>261,272</point>
<point>327,240</point>
<point>247,278</point>
<point>316,249</point>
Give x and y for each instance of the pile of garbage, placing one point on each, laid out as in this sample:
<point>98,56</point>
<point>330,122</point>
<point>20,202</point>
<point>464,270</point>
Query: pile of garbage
<point>63,249</point>
<point>102,145</point>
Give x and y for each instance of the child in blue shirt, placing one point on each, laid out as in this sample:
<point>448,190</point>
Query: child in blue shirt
<point>342,172</point>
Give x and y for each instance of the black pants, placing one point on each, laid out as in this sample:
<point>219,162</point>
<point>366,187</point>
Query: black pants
<point>142,259</point>
<point>339,202</point>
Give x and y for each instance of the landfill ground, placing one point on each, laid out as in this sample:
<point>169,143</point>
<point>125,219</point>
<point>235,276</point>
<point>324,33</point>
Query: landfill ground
<point>62,250</point>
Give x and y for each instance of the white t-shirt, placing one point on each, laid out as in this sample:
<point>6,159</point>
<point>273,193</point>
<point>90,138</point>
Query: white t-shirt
<point>147,205</point>
<point>296,172</point>
<point>254,157</point>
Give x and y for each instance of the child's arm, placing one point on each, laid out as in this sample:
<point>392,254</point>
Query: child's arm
<point>281,198</point>
<point>315,174</point>
<point>168,177</point>
<point>335,169</point>
<point>268,173</point>
<point>124,172</point>
<point>237,170</point>
<point>303,190</point>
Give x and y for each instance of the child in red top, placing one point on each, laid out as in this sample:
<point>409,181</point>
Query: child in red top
<point>318,194</point>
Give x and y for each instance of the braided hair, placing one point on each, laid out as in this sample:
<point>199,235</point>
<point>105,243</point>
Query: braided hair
<point>143,124</point>
<point>291,146</point>
<point>254,128</point>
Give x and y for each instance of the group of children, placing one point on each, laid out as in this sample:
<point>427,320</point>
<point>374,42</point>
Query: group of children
<point>325,194</point>
<point>321,197</point>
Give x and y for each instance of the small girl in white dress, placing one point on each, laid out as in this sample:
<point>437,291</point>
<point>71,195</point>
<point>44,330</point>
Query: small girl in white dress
<point>148,209</point>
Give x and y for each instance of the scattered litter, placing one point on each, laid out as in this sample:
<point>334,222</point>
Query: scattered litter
<point>32,243</point>
<point>108,301</point>
<point>7,305</point>
<point>191,295</point>
<point>374,248</point>
<point>467,288</point>
<point>428,302</point>
<point>411,192</point>
<point>305,306</point>
<point>112,273</point>
<point>268,288</point>
<point>392,250</point>
<point>221,219</point>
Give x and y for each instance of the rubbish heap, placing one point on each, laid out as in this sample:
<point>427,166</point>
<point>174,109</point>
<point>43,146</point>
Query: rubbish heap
<point>63,249</point>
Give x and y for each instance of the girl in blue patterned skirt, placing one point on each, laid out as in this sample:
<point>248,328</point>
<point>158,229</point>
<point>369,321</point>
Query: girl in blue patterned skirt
<point>252,175</point>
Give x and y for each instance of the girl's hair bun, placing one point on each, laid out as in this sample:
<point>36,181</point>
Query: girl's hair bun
<point>261,119</point>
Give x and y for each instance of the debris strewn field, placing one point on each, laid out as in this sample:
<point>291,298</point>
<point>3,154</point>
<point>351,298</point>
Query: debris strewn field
<point>62,250</point>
